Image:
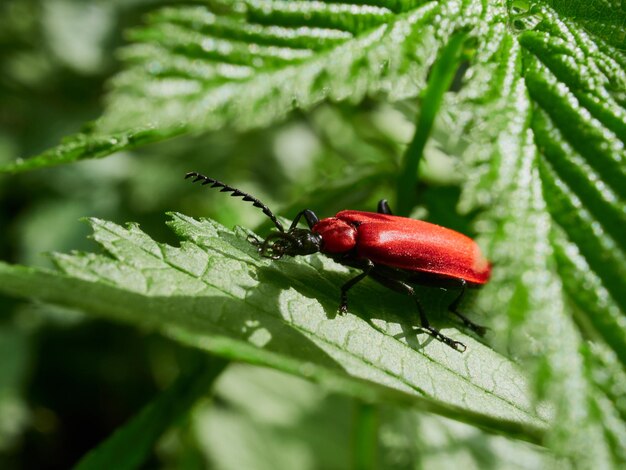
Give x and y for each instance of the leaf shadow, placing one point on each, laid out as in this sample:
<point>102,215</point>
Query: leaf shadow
<point>368,300</point>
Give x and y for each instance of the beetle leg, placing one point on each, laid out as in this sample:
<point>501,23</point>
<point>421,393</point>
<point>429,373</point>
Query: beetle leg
<point>405,288</point>
<point>478,329</point>
<point>309,216</point>
<point>366,265</point>
<point>383,207</point>
<point>436,333</point>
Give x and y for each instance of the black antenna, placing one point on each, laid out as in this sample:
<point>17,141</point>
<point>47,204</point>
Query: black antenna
<point>236,193</point>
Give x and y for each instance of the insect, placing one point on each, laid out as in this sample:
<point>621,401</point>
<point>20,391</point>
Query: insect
<point>394,251</point>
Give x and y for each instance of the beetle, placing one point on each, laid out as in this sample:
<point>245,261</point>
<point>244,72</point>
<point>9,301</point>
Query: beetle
<point>394,251</point>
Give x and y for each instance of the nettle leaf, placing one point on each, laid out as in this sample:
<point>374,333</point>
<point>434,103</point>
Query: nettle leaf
<point>541,115</point>
<point>607,20</point>
<point>249,63</point>
<point>191,69</point>
<point>545,160</point>
<point>214,292</point>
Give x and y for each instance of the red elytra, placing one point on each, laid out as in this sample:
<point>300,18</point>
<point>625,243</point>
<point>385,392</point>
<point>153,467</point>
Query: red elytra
<point>404,243</point>
<point>397,252</point>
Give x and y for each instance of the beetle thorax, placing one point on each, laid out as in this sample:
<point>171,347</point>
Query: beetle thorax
<point>337,235</point>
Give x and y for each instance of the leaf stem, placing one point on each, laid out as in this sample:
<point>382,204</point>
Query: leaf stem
<point>441,76</point>
<point>130,445</point>
<point>365,436</point>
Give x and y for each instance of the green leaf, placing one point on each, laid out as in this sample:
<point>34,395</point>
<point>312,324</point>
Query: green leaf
<point>545,160</point>
<point>275,421</point>
<point>439,82</point>
<point>215,293</point>
<point>606,19</point>
<point>191,69</point>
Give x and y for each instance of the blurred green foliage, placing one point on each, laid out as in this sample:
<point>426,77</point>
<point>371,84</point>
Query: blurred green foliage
<point>68,381</point>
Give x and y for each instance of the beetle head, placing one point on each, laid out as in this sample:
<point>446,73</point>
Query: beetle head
<point>292,242</point>
<point>296,241</point>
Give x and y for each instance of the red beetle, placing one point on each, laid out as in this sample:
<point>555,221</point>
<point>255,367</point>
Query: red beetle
<point>395,251</point>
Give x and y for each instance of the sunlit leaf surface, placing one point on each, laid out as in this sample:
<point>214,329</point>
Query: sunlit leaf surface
<point>215,293</point>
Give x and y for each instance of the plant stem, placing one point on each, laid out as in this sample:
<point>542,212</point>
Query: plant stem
<point>439,82</point>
